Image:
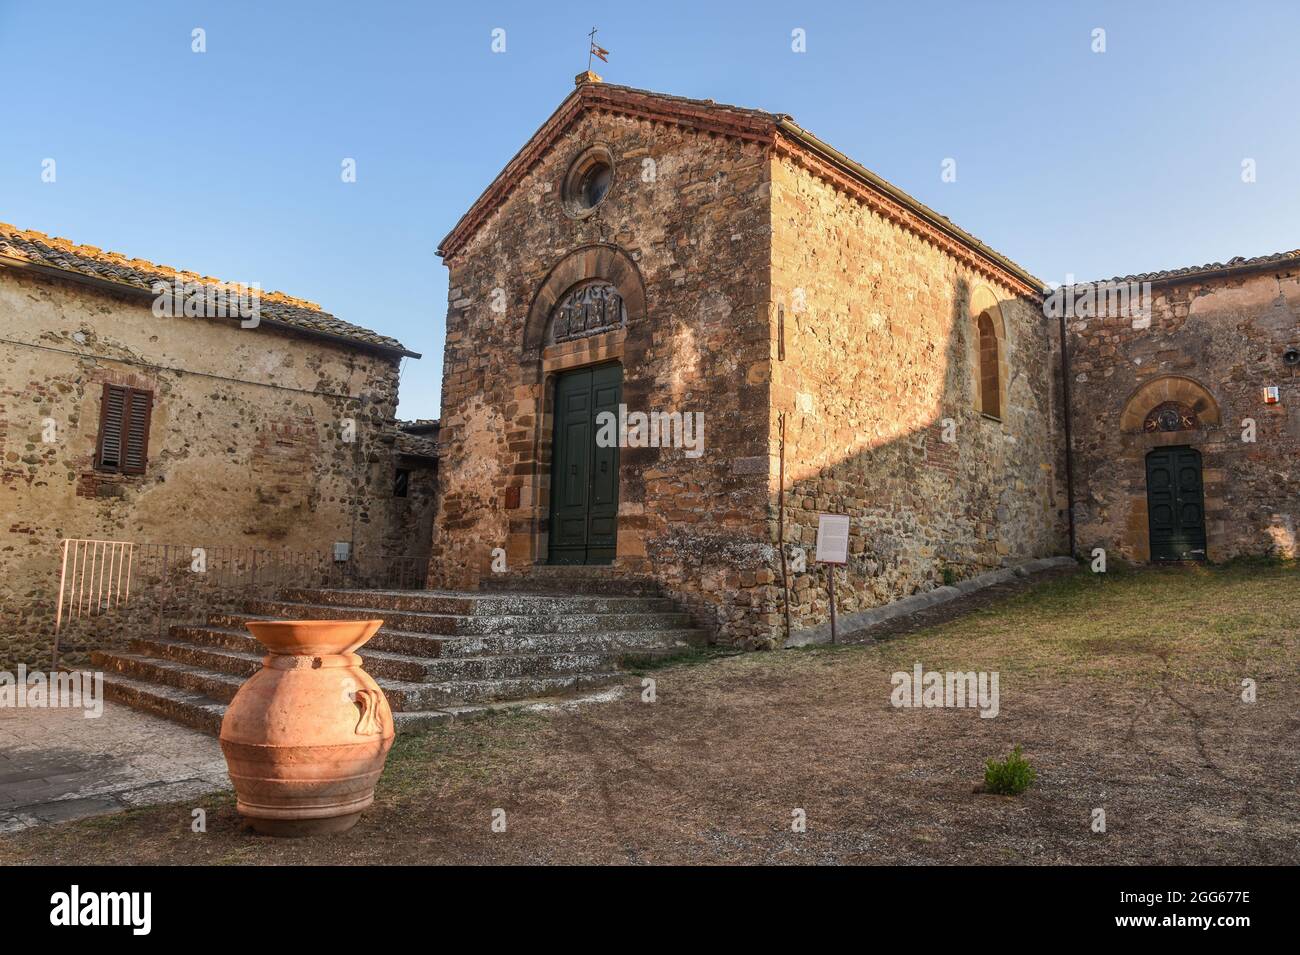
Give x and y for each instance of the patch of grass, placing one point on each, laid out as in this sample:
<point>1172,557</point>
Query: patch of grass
<point>1011,776</point>
<point>691,656</point>
<point>462,751</point>
<point>1207,624</point>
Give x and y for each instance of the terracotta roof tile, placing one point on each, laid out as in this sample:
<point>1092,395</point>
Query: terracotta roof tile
<point>39,249</point>
<point>1238,264</point>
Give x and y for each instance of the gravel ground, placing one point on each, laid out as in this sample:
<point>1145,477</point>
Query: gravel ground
<point>1117,712</point>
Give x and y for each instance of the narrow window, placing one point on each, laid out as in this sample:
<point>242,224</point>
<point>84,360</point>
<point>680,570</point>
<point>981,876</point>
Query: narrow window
<point>401,482</point>
<point>990,385</point>
<point>124,416</point>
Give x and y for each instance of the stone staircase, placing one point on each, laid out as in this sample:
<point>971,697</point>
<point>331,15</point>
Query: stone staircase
<point>438,655</point>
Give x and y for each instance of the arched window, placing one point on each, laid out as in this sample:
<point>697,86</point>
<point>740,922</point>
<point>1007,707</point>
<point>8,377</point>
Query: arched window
<point>990,383</point>
<point>587,309</point>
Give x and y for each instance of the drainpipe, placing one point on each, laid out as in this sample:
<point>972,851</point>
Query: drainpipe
<point>1069,440</point>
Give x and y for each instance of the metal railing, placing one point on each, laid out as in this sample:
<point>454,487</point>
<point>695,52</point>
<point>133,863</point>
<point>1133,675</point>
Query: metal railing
<point>139,585</point>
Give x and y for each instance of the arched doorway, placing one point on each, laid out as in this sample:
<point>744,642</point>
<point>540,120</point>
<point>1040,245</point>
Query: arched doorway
<point>584,467</point>
<point>1175,504</point>
<point>582,339</point>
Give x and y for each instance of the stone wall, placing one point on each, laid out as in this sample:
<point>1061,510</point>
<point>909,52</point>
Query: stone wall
<point>683,234</point>
<point>245,447</point>
<point>1210,344</point>
<point>879,349</point>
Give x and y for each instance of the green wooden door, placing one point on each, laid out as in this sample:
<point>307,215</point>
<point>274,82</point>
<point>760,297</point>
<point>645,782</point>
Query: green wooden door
<point>584,478</point>
<point>1176,504</point>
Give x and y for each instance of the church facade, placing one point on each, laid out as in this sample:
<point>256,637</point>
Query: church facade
<point>678,332</point>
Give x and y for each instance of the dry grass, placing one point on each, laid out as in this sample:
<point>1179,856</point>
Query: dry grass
<point>1125,694</point>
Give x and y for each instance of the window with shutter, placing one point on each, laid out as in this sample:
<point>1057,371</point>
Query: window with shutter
<point>124,417</point>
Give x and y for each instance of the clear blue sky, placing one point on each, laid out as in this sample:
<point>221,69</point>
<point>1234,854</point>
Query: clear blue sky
<point>228,162</point>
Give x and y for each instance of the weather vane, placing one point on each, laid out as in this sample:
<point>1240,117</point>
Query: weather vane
<point>594,50</point>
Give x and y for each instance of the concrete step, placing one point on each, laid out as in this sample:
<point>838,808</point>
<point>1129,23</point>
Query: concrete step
<point>464,624</point>
<point>227,630</point>
<point>469,604</point>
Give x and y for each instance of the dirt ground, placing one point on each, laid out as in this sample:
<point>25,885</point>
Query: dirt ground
<point>1125,694</point>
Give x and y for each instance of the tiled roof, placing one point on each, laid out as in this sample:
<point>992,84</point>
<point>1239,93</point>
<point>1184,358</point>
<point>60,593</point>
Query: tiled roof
<point>40,250</point>
<point>1238,264</point>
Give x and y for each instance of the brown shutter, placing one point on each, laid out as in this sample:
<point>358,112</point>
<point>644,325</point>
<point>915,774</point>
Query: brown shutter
<point>112,408</point>
<point>137,432</point>
<point>124,417</point>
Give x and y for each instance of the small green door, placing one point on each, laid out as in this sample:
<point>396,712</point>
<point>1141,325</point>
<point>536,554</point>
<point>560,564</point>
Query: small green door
<point>584,478</point>
<point>1176,504</point>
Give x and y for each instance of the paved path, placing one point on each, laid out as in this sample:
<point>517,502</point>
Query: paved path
<point>57,765</point>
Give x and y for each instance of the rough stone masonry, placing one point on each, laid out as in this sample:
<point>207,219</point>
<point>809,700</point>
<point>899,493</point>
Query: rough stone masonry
<point>243,443</point>
<point>765,278</point>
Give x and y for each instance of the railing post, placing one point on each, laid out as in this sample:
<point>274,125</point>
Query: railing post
<point>58,612</point>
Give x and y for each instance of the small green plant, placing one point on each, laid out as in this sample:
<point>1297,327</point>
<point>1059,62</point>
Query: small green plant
<point>949,576</point>
<point>1010,777</point>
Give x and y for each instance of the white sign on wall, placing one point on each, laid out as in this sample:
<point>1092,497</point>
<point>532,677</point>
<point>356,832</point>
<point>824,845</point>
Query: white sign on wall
<point>832,539</point>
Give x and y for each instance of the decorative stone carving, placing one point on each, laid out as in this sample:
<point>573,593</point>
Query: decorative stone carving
<point>588,309</point>
<point>1171,416</point>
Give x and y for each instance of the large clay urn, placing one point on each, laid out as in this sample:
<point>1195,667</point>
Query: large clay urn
<point>306,736</point>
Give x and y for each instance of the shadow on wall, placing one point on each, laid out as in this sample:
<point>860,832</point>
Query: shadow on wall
<point>937,490</point>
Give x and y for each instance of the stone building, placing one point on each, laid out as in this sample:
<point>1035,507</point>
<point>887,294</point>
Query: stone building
<point>1187,415</point>
<point>773,307</point>
<point>130,414</point>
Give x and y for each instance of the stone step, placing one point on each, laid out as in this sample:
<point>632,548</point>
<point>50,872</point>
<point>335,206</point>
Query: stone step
<point>181,706</point>
<point>213,684</point>
<point>439,655</point>
<point>227,630</point>
<point>204,714</point>
<point>571,581</point>
<point>244,662</point>
<point>403,696</point>
<point>469,604</point>
<point>453,624</point>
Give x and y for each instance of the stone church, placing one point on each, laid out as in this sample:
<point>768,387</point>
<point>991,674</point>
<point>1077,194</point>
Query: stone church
<point>842,349</point>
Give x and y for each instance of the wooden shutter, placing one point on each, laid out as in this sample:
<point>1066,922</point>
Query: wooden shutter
<point>124,416</point>
<point>112,409</point>
<point>136,432</point>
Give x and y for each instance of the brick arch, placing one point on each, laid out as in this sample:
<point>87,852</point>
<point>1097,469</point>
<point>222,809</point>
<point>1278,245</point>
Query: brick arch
<point>607,262</point>
<point>1178,388</point>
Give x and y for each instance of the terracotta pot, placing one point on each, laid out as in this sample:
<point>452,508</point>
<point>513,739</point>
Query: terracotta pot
<point>306,736</point>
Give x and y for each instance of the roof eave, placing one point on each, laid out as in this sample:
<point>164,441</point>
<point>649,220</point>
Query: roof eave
<point>1196,275</point>
<point>749,125</point>
<point>945,225</point>
<point>135,293</point>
